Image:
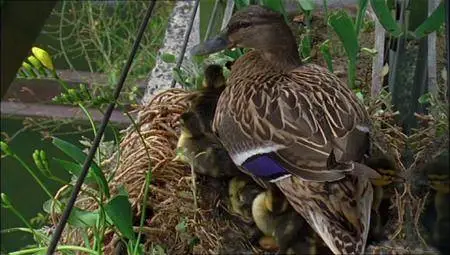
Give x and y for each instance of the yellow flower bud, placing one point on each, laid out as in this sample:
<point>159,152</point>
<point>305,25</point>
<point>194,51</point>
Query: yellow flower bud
<point>43,57</point>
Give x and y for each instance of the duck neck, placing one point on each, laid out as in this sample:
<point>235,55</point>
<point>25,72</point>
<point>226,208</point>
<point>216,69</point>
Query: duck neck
<point>283,58</point>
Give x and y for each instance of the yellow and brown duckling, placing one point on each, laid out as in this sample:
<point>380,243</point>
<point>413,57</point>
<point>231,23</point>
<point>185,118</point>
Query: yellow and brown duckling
<point>438,173</point>
<point>277,219</point>
<point>197,145</point>
<point>296,125</point>
<point>242,190</point>
<point>385,166</point>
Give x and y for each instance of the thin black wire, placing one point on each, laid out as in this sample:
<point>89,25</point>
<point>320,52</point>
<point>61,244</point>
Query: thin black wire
<point>186,40</point>
<point>87,163</point>
<point>447,21</point>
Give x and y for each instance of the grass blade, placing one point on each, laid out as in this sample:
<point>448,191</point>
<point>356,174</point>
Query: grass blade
<point>79,156</point>
<point>432,23</point>
<point>343,26</point>
<point>306,5</point>
<point>360,17</point>
<point>325,50</point>
<point>385,18</point>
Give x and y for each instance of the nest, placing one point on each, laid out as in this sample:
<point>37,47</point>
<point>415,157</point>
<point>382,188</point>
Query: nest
<point>184,213</point>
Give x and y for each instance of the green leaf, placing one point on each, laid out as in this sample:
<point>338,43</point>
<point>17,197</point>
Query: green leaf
<point>425,98</point>
<point>241,3</point>
<point>325,50</point>
<point>360,17</point>
<point>306,46</point>
<point>82,218</point>
<point>57,206</point>
<point>432,23</point>
<point>75,170</point>
<point>307,5</point>
<point>119,211</point>
<point>275,5</point>
<point>179,77</point>
<point>342,25</point>
<point>182,226</point>
<point>78,217</point>
<point>78,155</point>
<point>385,17</point>
<point>168,58</point>
<point>360,96</point>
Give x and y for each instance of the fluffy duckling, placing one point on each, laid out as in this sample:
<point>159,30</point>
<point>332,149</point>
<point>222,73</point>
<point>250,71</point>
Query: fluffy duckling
<point>242,190</point>
<point>277,219</point>
<point>197,145</point>
<point>439,180</point>
<point>385,166</point>
<point>202,150</point>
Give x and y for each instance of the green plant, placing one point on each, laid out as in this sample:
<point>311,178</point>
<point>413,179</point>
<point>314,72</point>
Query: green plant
<point>348,32</point>
<point>112,211</point>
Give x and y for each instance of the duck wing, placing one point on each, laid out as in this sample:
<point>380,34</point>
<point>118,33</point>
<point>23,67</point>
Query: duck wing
<point>304,122</point>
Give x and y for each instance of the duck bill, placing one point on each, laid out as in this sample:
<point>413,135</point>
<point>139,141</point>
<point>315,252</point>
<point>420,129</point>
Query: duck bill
<point>212,45</point>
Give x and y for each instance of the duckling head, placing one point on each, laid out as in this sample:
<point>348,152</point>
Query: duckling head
<point>214,77</point>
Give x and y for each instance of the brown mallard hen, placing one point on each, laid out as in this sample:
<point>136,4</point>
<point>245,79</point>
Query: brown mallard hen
<point>296,125</point>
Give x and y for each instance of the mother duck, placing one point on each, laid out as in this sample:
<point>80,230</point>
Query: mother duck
<point>296,125</point>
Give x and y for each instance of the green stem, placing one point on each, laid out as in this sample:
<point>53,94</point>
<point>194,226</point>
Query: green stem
<point>17,213</point>
<point>148,178</point>
<point>59,248</point>
<point>37,235</point>
<point>91,121</point>
<point>36,178</point>
<point>351,72</point>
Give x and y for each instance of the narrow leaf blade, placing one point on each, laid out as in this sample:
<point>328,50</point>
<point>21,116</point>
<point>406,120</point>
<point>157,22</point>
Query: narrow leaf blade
<point>432,23</point>
<point>343,26</point>
<point>75,169</point>
<point>78,155</point>
<point>307,5</point>
<point>385,18</point>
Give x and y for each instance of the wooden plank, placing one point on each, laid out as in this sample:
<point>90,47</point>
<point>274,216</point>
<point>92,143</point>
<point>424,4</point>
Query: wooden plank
<point>40,90</point>
<point>99,79</point>
<point>58,112</point>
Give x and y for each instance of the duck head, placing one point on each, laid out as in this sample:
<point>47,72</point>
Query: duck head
<point>254,27</point>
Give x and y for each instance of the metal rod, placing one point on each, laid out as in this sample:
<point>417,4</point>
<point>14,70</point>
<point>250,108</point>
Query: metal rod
<point>186,40</point>
<point>447,24</point>
<point>211,20</point>
<point>87,163</point>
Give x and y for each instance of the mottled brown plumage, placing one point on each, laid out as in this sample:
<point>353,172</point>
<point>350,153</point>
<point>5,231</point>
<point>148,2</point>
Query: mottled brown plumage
<point>300,119</point>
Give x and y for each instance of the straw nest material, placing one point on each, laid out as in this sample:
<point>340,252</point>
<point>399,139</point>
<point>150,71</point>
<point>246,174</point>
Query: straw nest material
<point>185,215</point>
<point>181,217</point>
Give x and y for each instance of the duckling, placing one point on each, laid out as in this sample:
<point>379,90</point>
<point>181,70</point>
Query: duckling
<point>202,150</point>
<point>242,191</point>
<point>278,220</point>
<point>204,102</point>
<point>439,180</point>
<point>385,166</point>
<point>197,145</point>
